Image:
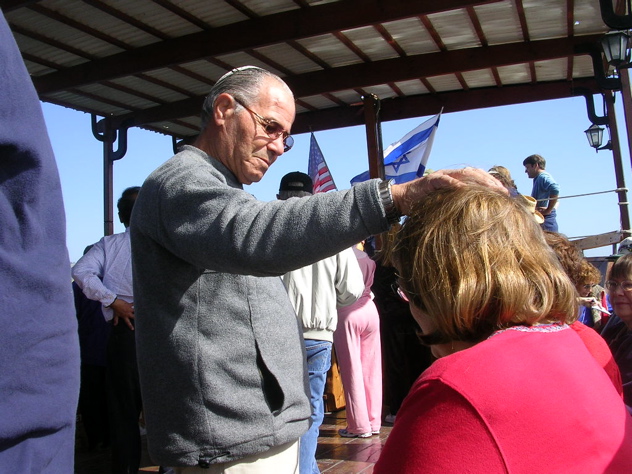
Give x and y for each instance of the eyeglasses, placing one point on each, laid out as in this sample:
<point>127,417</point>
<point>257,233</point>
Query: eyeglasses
<point>612,285</point>
<point>399,292</point>
<point>273,129</point>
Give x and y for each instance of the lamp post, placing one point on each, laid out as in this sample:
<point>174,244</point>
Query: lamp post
<point>618,163</point>
<point>615,47</point>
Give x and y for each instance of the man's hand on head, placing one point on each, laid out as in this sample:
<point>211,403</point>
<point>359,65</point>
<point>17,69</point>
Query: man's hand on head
<point>404,195</point>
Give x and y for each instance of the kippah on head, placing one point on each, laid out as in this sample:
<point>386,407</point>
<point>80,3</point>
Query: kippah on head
<point>237,70</point>
<point>296,181</point>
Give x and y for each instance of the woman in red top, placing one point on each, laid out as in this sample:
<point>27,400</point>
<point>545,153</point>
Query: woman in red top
<point>514,388</point>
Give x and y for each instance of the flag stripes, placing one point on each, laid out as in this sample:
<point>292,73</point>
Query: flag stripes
<point>318,169</point>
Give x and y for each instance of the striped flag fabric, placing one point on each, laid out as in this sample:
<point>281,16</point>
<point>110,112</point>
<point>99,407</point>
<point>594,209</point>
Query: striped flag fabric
<point>318,169</point>
<point>406,159</point>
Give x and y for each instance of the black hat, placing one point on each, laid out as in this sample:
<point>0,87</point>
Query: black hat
<point>296,181</point>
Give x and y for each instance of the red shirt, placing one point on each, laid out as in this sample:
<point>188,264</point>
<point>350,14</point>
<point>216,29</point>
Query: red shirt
<point>599,349</point>
<point>519,402</point>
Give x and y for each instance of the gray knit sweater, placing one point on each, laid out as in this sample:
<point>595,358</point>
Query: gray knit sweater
<point>219,348</point>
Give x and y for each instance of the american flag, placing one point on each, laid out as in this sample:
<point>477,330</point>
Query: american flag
<point>318,169</point>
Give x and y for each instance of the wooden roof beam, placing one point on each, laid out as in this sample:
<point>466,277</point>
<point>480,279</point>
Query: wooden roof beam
<point>249,34</point>
<point>10,5</point>
<point>430,104</point>
<point>394,70</point>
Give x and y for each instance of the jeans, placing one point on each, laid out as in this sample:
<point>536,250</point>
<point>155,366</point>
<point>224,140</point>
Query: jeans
<point>318,363</point>
<point>550,222</point>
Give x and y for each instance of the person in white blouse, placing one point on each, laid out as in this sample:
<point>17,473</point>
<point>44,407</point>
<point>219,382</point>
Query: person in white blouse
<point>104,274</point>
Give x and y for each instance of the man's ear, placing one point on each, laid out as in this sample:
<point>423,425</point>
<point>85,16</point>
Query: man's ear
<point>224,107</point>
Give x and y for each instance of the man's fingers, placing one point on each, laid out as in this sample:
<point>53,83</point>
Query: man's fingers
<point>405,195</point>
<point>477,176</point>
<point>129,323</point>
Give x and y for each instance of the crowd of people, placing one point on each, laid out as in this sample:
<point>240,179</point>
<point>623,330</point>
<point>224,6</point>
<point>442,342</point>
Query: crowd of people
<point>224,308</point>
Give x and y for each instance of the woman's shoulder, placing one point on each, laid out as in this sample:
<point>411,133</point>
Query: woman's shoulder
<point>502,355</point>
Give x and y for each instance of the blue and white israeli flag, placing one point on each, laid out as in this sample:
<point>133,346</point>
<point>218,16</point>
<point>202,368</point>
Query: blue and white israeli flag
<point>406,159</point>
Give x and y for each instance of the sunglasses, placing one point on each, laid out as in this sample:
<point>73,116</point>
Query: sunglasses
<point>273,129</point>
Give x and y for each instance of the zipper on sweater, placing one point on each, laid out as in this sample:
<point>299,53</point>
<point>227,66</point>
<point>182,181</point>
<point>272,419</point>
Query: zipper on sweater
<point>205,460</point>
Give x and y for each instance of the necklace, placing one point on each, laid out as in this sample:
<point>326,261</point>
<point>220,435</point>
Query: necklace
<point>550,327</point>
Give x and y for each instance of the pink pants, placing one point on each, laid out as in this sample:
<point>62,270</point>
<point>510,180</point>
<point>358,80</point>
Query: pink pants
<point>357,345</point>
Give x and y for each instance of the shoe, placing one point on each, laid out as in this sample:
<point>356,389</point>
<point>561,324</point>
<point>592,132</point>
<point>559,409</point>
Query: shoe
<point>346,434</point>
<point>389,418</point>
<point>375,432</point>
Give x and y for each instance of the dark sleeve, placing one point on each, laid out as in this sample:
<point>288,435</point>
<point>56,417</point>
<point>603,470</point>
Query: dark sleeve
<point>619,339</point>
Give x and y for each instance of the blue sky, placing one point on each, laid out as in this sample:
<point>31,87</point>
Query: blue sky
<point>480,138</point>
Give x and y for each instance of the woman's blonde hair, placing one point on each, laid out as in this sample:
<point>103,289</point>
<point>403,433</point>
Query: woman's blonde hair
<point>476,261</point>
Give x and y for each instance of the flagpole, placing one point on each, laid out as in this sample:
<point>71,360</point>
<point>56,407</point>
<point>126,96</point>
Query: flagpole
<point>373,135</point>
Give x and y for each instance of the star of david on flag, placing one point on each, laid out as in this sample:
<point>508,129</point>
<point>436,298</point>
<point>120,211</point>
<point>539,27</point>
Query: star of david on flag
<point>406,159</point>
<point>318,169</point>
<point>397,163</point>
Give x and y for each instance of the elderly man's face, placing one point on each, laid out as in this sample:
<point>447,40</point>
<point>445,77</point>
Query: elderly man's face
<point>254,150</point>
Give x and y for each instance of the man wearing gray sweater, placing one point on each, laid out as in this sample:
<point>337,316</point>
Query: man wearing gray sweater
<point>219,348</point>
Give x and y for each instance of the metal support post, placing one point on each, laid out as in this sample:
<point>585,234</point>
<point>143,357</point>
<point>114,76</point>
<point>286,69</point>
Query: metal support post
<point>374,135</point>
<point>103,132</point>
<point>618,163</point>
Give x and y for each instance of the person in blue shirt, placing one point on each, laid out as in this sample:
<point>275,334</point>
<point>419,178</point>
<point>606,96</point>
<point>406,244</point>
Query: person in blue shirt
<point>545,190</point>
<point>39,346</point>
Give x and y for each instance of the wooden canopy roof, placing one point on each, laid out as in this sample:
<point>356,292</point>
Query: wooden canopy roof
<point>149,63</point>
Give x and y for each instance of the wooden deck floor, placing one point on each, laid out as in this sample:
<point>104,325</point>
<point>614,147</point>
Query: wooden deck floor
<point>335,455</point>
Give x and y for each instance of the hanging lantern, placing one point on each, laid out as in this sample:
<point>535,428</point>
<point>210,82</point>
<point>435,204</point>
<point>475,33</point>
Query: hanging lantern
<point>615,48</point>
<point>594,135</point>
